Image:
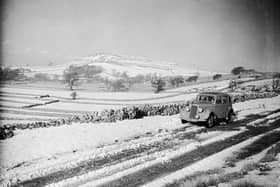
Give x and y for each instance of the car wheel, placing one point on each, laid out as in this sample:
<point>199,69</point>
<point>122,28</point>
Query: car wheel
<point>10,134</point>
<point>230,117</point>
<point>3,136</point>
<point>211,121</point>
<point>184,121</point>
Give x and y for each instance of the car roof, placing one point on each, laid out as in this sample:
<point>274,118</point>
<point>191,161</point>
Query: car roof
<point>213,93</point>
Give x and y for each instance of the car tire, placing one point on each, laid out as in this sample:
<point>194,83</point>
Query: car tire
<point>211,121</point>
<point>230,117</point>
<point>184,121</point>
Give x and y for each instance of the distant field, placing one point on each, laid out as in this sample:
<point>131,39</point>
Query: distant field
<point>97,86</point>
<point>16,99</point>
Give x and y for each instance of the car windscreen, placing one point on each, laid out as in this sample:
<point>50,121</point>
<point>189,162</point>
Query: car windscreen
<point>209,99</point>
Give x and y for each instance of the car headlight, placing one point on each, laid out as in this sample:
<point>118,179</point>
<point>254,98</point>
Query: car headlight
<point>187,108</point>
<point>200,110</point>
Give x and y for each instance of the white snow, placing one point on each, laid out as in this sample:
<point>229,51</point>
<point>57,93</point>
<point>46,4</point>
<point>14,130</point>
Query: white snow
<point>258,82</point>
<point>63,161</point>
<point>96,101</point>
<point>45,142</point>
<point>270,119</point>
<point>118,96</point>
<point>91,101</point>
<point>252,159</point>
<point>138,65</point>
<point>116,63</point>
<point>216,85</point>
<point>160,158</point>
<point>211,162</point>
<point>258,106</point>
<point>34,147</point>
<point>18,116</point>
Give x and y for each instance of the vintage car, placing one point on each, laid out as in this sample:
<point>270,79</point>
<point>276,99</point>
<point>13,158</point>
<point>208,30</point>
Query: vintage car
<point>210,107</point>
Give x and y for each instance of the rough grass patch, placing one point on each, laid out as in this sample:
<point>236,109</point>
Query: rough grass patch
<point>192,179</point>
<point>259,145</point>
<point>230,161</point>
<point>249,167</point>
<point>270,157</point>
<point>271,153</point>
<point>205,181</point>
<point>247,183</point>
<point>255,148</point>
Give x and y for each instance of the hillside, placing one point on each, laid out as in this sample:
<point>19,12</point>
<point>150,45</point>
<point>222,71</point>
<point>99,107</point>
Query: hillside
<point>116,64</point>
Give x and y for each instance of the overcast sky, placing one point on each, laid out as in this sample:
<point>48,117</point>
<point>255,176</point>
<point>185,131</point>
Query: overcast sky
<point>212,34</point>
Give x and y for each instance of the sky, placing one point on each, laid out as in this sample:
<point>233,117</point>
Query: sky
<point>214,35</point>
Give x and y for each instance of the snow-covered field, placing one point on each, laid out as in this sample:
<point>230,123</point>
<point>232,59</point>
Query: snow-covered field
<point>211,162</point>
<point>118,96</point>
<point>37,152</point>
<point>47,142</point>
<point>15,97</point>
<point>258,83</point>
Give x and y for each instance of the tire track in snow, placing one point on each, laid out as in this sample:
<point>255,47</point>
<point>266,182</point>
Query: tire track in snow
<point>150,173</point>
<point>167,141</point>
<point>128,154</point>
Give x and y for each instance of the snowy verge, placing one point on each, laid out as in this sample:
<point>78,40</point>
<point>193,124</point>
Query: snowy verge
<point>47,142</point>
<point>85,180</point>
<point>36,149</point>
<point>269,118</point>
<point>211,162</point>
<point>63,162</point>
<point>257,106</point>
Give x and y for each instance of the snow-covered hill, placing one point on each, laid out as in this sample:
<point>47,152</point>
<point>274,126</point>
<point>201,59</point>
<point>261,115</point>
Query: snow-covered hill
<point>138,65</point>
<point>113,64</point>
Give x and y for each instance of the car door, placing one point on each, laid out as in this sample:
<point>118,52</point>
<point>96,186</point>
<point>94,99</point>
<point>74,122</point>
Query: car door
<point>225,106</point>
<point>219,107</point>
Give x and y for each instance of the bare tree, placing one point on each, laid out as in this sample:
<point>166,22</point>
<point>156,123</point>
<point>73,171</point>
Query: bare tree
<point>237,70</point>
<point>41,77</point>
<point>7,74</point>
<point>158,84</point>
<point>176,81</point>
<point>117,85</point>
<point>192,79</point>
<point>73,95</point>
<point>70,76</point>
<point>217,76</point>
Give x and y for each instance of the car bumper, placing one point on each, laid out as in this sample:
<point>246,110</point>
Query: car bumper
<point>199,117</point>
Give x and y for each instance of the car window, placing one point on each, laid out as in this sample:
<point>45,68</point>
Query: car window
<point>219,100</point>
<point>206,99</point>
<point>224,99</point>
<point>211,99</point>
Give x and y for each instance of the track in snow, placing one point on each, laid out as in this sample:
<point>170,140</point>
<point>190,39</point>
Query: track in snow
<point>150,173</point>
